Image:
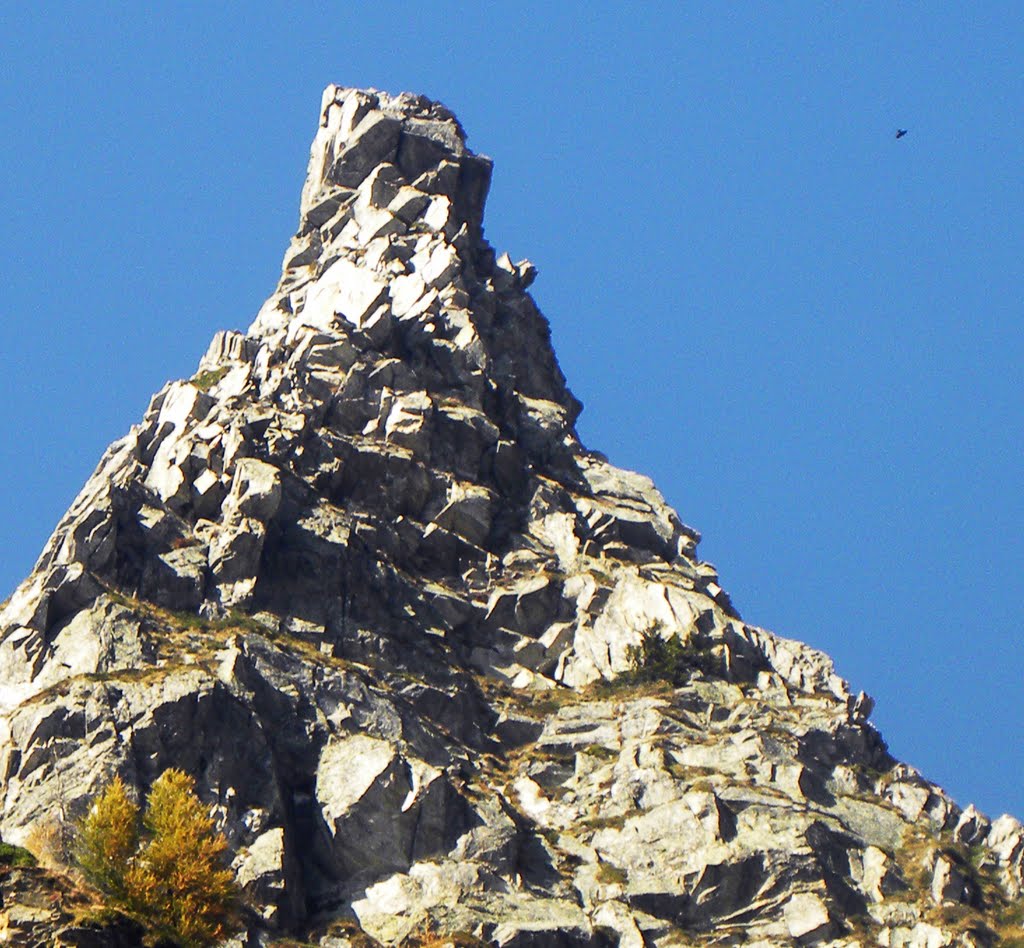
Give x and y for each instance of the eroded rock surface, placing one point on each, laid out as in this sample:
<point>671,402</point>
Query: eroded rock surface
<point>361,579</point>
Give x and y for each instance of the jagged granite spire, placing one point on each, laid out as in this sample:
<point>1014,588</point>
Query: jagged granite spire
<point>360,578</point>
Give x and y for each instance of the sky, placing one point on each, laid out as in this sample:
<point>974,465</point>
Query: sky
<point>807,332</point>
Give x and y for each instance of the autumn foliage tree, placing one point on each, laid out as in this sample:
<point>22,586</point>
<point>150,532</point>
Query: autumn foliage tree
<point>169,872</point>
<point>108,839</point>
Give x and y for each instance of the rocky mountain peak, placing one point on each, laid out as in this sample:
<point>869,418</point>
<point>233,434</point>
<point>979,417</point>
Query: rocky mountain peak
<point>422,142</point>
<point>359,577</point>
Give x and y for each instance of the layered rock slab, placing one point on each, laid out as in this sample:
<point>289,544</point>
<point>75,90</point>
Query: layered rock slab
<point>360,577</point>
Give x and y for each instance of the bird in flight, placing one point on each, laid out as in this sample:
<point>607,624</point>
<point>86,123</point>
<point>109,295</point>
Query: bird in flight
<point>900,132</point>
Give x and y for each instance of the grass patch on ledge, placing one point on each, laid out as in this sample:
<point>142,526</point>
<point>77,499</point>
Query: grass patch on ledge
<point>601,751</point>
<point>144,674</point>
<point>189,621</point>
<point>204,381</point>
<point>539,705</point>
<point>611,875</point>
<point>597,823</point>
<point>992,914</point>
<point>659,668</point>
<point>204,636</point>
<point>627,688</point>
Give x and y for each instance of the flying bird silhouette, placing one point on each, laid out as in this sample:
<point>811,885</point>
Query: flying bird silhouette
<point>900,132</point>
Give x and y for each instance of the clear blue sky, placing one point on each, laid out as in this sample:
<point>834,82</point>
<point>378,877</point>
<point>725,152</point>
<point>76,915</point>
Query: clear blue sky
<point>807,332</point>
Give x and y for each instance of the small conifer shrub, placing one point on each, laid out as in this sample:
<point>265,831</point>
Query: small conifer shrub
<point>670,659</point>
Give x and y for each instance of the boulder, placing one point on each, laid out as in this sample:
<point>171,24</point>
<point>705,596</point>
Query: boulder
<point>255,491</point>
<point>371,143</point>
<point>344,289</point>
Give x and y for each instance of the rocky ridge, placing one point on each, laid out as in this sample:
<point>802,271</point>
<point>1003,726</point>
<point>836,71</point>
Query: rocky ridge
<point>361,579</point>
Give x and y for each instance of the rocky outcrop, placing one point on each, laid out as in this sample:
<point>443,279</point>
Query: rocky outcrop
<point>44,909</point>
<point>362,580</point>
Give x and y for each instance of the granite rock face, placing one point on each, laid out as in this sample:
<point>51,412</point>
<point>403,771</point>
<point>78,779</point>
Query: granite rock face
<point>361,579</point>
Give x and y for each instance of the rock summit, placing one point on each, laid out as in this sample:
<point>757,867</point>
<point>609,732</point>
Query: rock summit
<point>359,577</point>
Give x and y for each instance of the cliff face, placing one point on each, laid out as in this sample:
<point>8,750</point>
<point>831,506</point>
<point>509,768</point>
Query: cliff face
<point>360,578</point>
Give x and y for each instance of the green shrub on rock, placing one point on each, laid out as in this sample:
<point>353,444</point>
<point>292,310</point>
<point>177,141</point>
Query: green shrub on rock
<point>668,659</point>
<point>16,856</point>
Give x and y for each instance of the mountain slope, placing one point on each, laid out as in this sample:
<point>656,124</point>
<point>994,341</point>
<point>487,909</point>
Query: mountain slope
<point>361,579</point>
